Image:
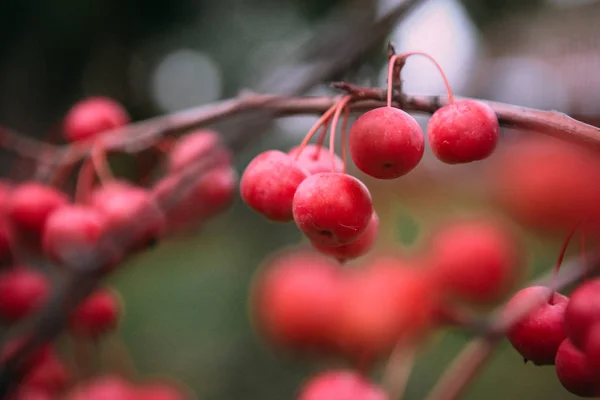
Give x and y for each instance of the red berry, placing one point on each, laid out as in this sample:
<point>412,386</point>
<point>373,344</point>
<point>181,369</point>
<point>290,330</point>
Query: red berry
<point>315,159</point>
<point>386,143</point>
<point>463,132</point>
<point>130,209</point>
<point>89,117</point>
<point>48,376</point>
<point>296,299</point>
<point>103,388</point>
<point>583,312</point>
<point>341,385</point>
<point>592,348</point>
<point>30,204</point>
<point>537,335</point>
<point>269,183</point>
<point>194,146</point>
<point>332,209</point>
<point>357,248</point>
<point>27,393</point>
<point>6,241</point>
<point>389,301</point>
<point>97,314</point>
<point>477,260</point>
<point>574,371</point>
<point>22,292</point>
<point>72,234</point>
<point>36,357</point>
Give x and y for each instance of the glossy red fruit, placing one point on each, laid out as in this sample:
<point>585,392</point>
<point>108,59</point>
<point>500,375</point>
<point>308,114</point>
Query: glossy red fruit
<point>131,213</point>
<point>537,335</point>
<point>22,292</point>
<point>30,204</point>
<point>103,388</point>
<point>196,145</point>
<point>159,391</point>
<point>72,234</point>
<point>583,312</point>
<point>317,159</point>
<point>391,300</point>
<point>358,248</point>
<point>592,348</point>
<point>269,183</point>
<point>341,385</point>
<point>295,299</point>
<point>574,371</point>
<point>463,132</point>
<point>96,315</point>
<point>48,376</point>
<point>89,117</point>
<point>332,209</point>
<point>386,143</point>
<point>477,260</point>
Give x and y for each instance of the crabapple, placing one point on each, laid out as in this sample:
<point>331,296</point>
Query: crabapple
<point>22,292</point>
<point>357,248</point>
<point>386,143</point>
<point>332,209</point>
<point>196,145</point>
<point>97,314</point>
<point>574,371</point>
<point>340,385</point>
<point>592,347</point>
<point>30,204</point>
<point>537,335</point>
<point>295,299</point>
<point>72,233</point>
<point>48,376</point>
<point>477,259</point>
<point>315,159</point>
<point>103,388</point>
<point>269,183</point>
<point>91,116</point>
<point>583,312</point>
<point>463,132</point>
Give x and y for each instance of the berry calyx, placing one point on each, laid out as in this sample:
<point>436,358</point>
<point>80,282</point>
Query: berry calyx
<point>463,132</point>
<point>583,312</point>
<point>22,292</point>
<point>72,233</point>
<point>269,183</point>
<point>315,158</point>
<point>386,143</point>
<point>357,248</point>
<point>96,315</point>
<point>341,385</point>
<point>477,260</point>
<point>332,209</point>
<point>574,371</point>
<point>92,116</point>
<point>539,333</point>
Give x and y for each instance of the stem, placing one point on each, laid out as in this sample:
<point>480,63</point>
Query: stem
<point>561,256</point>
<point>390,79</point>
<point>85,181</point>
<point>321,138</point>
<point>438,66</point>
<point>344,136</point>
<point>398,370</point>
<point>314,129</point>
<point>334,123</point>
<point>100,164</point>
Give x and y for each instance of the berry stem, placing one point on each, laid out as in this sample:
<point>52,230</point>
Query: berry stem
<point>321,138</point>
<point>344,137</point>
<point>314,129</point>
<point>390,79</point>
<point>438,66</point>
<point>121,360</point>
<point>85,181</point>
<point>100,163</point>
<point>334,123</point>
<point>561,256</point>
<point>398,370</point>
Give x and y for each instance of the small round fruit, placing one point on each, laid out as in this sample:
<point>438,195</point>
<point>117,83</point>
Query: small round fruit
<point>269,183</point>
<point>89,117</point>
<point>341,385</point>
<point>111,387</point>
<point>386,143</point>
<point>22,292</point>
<point>30,204</point>
<point>537,335</point>
<point>574,371</point>
<point>315,159</point>
<point>332,209</point>
<point>96,315</point>
<point>196,145</point>
<point>463,132</point>
<point>583,312</point>
<point>592,348</point>
<point>358,248</point>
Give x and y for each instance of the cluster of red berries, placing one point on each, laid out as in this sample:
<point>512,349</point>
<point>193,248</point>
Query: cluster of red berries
<point>563,332</point>
<point>41,221</point>
<point>306,301</point>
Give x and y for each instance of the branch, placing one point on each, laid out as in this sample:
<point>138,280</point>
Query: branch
<point>471,360</point>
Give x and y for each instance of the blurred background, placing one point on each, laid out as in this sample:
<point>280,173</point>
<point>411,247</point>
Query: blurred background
<point>187,300</point>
